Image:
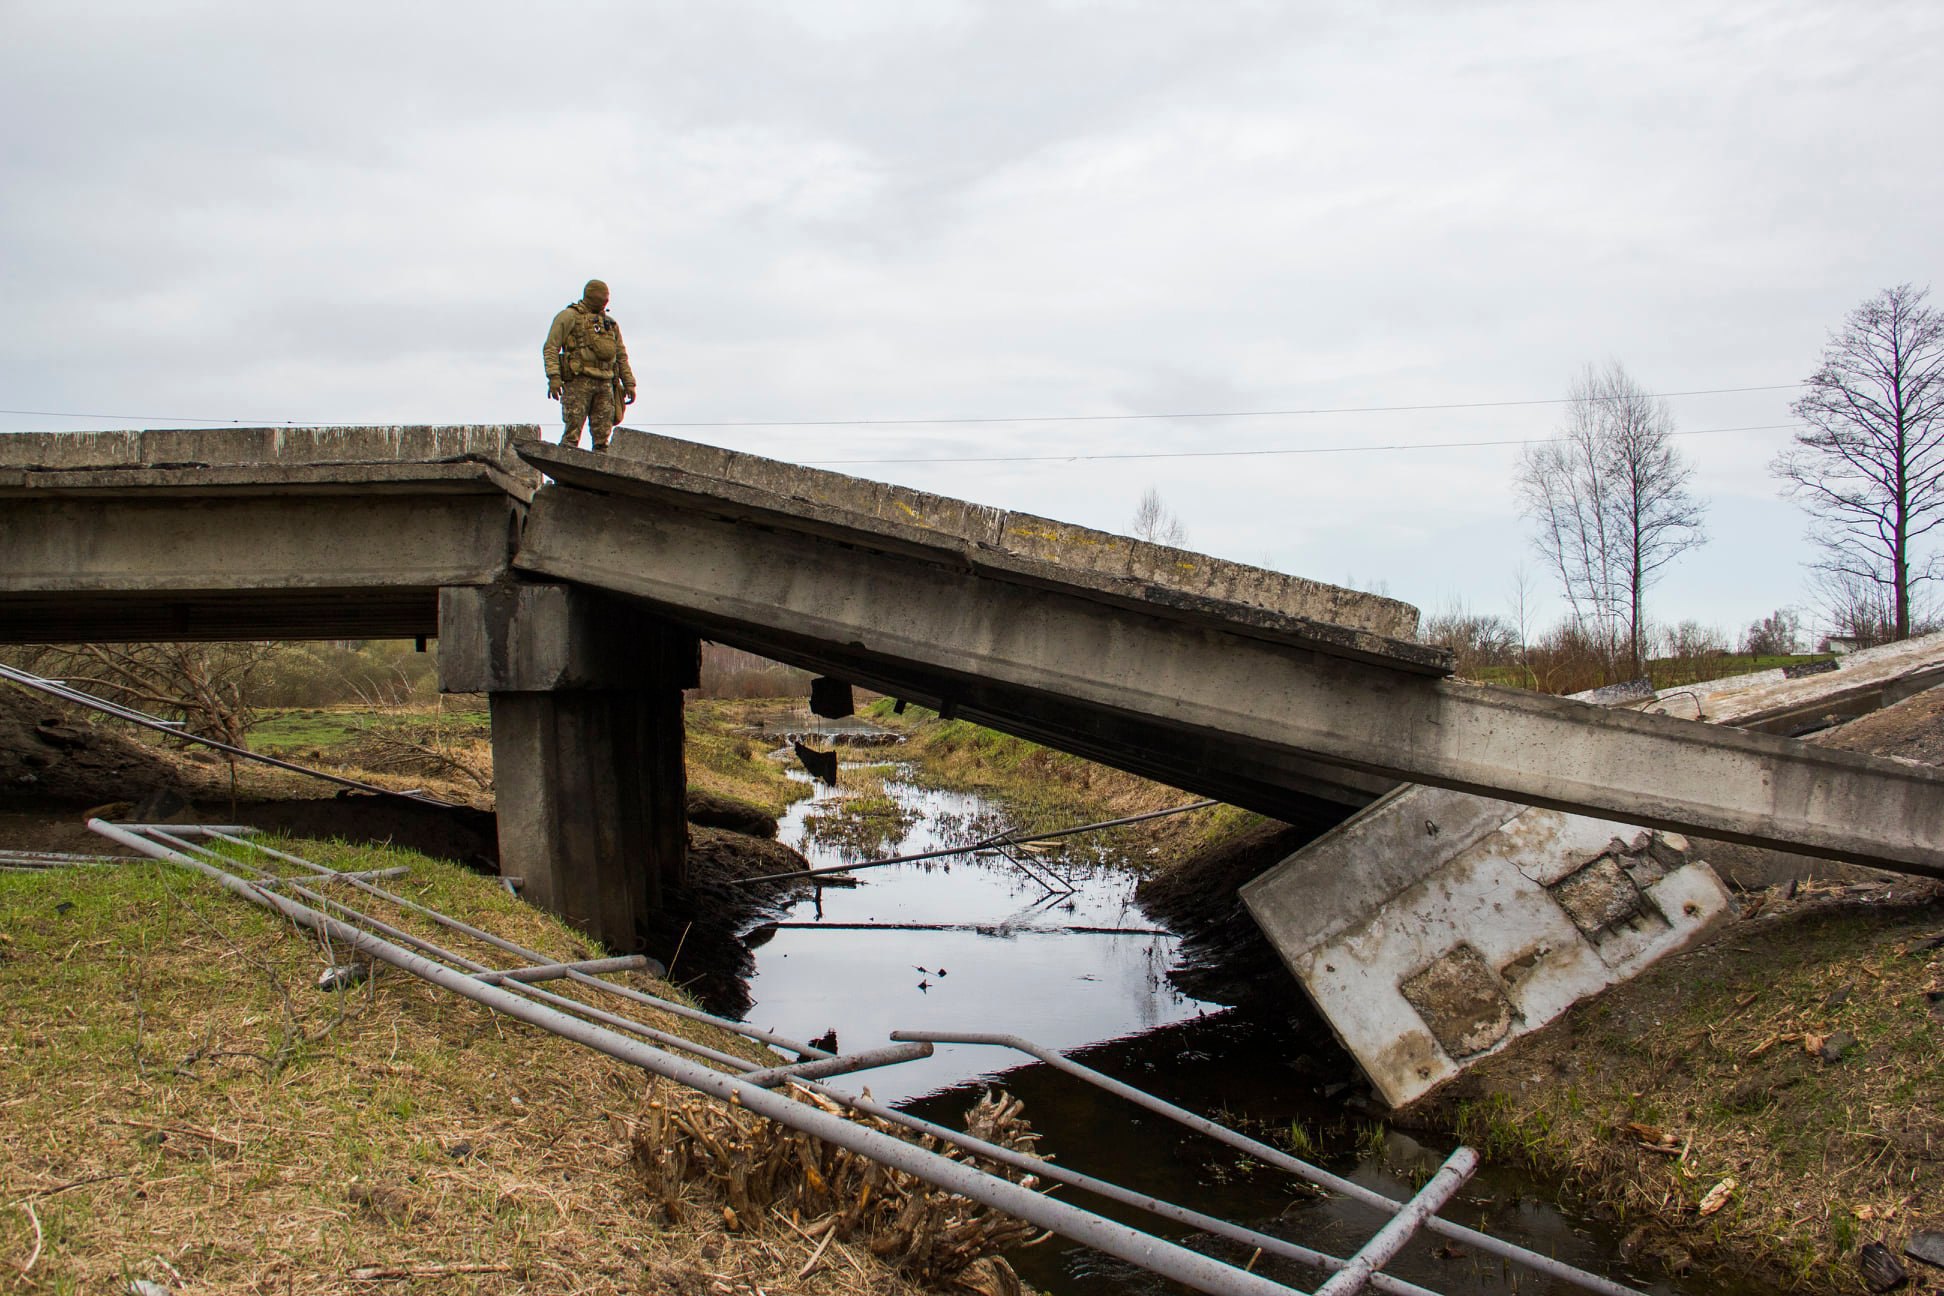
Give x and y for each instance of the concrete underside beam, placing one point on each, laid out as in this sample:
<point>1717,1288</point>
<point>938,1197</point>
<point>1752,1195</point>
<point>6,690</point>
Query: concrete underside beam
<point>1226,694</point>
<point>314,565</point>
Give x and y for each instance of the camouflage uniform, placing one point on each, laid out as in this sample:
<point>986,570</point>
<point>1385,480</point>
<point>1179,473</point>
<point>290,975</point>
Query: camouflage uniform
<point>587,360</point>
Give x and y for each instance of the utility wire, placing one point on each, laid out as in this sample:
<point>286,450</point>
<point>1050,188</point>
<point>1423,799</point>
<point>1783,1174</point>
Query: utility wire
<point>939,422</point>
<point>1202,414</point>
<point>1238,454</point>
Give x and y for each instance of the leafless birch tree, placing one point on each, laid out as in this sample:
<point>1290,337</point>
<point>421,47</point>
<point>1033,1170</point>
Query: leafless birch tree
<point>1611,502</point>
<point>1869,467</point>
<point>1156,523</point>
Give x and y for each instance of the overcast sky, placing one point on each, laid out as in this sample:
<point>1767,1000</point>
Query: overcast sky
<point>827,210</point>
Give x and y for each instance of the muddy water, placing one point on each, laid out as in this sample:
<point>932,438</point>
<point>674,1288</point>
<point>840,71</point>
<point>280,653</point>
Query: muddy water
<point>975,945</point>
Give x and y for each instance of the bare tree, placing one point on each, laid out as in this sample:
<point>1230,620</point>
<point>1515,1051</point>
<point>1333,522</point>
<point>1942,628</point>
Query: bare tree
<point>1476,639</point>
<point>1156,523</point>
<point>208,686</point>
<point>1870,465</point>
<point>1610,497</point>
<point>1775,635</point>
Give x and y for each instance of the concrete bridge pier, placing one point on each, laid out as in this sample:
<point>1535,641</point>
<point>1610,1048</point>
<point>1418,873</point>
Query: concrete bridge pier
<point>590,785</point>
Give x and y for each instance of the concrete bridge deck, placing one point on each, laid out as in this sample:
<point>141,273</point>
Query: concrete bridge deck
<point>1211,677</point>
<point>573,600</point>
<point>251,533</point>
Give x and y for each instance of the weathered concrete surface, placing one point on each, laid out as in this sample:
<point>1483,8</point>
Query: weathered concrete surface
<point>1776,702</point>
<point>254,457</point>
<point>248,533</point>
<point>589,780</point>
<point>1015,547</point>
<point>1213,695</point>
<point>1437,927</point>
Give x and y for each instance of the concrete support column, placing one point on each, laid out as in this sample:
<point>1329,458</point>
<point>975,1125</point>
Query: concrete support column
<point>589,779</point>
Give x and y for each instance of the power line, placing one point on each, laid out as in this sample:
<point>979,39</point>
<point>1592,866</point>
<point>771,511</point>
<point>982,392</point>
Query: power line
<point>1238,454</point>
<point>941,422</point>
<point>1203,414</point>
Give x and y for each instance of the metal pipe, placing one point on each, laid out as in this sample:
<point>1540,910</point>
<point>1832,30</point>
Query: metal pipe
<point>1281,1248</point>
<point>501,943</point>
<point>1159,1256</point>
<point>555,971</point>
<point>1269,1244</point>
<point>472,967</point>
<point>842,1064</point>
<point>1390,1239</point>
<point>57,689</point>
<point>989,843</point>
<point>399,870</point>
<point>1282,1160</point>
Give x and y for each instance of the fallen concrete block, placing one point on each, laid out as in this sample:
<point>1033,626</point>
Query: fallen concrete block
<point>1435,927</point>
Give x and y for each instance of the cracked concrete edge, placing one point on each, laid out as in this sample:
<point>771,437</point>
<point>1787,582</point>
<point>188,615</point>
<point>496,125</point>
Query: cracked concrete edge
<point>244,456</point>
<point>1009,546</point>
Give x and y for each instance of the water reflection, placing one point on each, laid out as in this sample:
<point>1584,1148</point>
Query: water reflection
<point>998,953</point>
<point>1002,953</point>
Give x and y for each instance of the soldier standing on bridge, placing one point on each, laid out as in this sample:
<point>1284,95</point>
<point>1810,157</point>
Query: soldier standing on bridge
<point>587,368</point>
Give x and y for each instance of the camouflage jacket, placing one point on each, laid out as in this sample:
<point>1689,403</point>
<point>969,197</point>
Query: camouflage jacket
<point>583,344</point>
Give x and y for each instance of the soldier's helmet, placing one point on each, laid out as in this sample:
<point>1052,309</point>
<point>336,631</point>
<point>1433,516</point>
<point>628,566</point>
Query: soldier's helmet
<point>595,288</point>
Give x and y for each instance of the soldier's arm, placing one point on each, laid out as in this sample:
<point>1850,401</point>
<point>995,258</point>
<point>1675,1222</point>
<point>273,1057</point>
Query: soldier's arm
<point>556,340</point>
<point>621,362</point>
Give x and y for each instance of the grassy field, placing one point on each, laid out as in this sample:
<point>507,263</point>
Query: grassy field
<point>1665,672</point>
<point>183,1105</point>
<point>1771,1096</point>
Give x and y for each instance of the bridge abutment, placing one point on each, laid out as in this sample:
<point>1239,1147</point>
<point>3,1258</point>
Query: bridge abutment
<point>590,785</point>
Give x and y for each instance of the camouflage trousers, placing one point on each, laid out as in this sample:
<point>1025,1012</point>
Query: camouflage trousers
<point>589,401</point>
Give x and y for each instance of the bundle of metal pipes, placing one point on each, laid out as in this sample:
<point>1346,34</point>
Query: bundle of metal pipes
<point>248,869</point>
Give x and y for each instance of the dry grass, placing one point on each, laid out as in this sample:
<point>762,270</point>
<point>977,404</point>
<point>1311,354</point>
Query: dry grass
<point>1733,1066</point>
<point>754,1169</point>
<point>726,760</point>
<point>181,1104</point>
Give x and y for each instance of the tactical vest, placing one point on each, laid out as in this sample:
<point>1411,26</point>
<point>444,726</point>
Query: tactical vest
<point>593,346</point>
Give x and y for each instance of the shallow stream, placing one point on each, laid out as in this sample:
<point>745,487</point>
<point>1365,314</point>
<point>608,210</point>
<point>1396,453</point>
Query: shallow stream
<point>976,945</point>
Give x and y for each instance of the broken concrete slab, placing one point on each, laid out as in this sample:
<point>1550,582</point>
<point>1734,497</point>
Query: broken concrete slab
<point>1436,927</point>
<point>1776,701</point>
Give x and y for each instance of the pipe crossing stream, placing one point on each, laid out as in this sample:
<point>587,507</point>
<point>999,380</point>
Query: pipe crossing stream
<point>288,884</point>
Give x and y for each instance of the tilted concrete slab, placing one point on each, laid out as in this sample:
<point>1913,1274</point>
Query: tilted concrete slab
<point>250,533</point>
<point>1016,547</point>
<point>1436,927</point>
<point>1210,687</point>
<point>1458,929</point>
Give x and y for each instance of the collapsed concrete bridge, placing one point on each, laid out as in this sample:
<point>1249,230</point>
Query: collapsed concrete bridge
<point>572,588</point>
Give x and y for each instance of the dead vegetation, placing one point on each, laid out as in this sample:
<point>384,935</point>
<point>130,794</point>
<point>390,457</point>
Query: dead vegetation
<point>179,1104</point>
<point>752,1170</point>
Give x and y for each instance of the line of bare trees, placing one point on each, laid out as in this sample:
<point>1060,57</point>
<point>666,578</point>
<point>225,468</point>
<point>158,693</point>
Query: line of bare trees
<point>1611,502</point>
